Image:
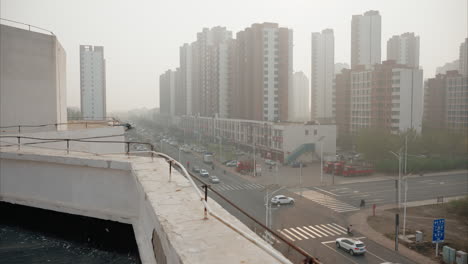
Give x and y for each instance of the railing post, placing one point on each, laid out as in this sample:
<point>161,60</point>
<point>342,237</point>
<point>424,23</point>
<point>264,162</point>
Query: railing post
<point>170,170</point>
<point>19,129</point>
<point>205,186</point>
<point>19,143</point>
<point>86,124</point>
<point>128,149</point>
<point>152,152</point>
<point>68,146</point>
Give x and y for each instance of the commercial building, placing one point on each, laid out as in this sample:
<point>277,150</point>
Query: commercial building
<point>262,73</point>
<point>404,49</point>
<point>389,96</point>
<point>93,82</point>
<point>32,78</point>
<point>274,140</point>
<point>366,39</point>
<point>323,72</point>
<point>300,110</point>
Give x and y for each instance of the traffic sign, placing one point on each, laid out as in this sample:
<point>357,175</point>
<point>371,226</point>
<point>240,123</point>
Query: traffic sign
<point>438,231</point>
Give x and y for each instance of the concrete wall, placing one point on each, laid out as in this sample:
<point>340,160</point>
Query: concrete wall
<point>32,78</point>
<point>295,135</point>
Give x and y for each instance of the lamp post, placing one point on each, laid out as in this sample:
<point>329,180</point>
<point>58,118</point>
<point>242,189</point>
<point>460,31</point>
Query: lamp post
<point>268,220</point>
<point>321,158</point>
<point>398,156</point>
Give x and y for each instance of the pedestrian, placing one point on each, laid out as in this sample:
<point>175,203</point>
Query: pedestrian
<point>363,203</point>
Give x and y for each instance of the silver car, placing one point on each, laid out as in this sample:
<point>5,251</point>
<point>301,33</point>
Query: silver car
<point>204,173</point>
<point>352,246</point>
<point>214,179</point>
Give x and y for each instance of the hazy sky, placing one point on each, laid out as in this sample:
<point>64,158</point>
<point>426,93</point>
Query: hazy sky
<point>141,39</point>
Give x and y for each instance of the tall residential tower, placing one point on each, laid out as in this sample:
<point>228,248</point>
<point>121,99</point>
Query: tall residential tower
<point>93,82</point>
<point>404,49</point>
<point>323,72</point>
<point>366,39</point>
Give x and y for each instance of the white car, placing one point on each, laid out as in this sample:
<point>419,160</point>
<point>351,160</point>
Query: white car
<point>281,199</point>
<point>204,173</point>
<point>352,246</point>
<point>214,179</point>
<point>270,162</point>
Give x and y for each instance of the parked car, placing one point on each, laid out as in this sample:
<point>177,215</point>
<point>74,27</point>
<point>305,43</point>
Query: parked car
<point>281,199</point>
<point>204,173</point>
<point>352,246</point>
<point>195,169</point>
<point>270,162</point>
<point>297,164</point>
<point>214,179</point>
<point>232,163</point>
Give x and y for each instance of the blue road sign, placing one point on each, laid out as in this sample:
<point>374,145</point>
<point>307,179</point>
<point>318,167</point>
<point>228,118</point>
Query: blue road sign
<point>438,231</point>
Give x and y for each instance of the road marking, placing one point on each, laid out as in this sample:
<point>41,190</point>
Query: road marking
<point>305,232</point>
<point>325,191</point>
<point>298,238</point>
<point>324,226</point>
<point>288,237</point>
<point>357,238</point>
<point>324,230</point>
<point>340,227</point>
<point>305,227</point>
<point>295,231</point>
<point>319,231</point>
<point>368,252</point>
<point>341,253</point>
<point>328,201</point>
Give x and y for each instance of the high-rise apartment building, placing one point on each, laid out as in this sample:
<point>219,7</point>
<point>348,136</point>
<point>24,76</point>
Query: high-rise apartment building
<point>186,74</point>
<point>323,72</point>
<point>446,102</point>
<point>93,82</point>
<point>262,73</point>
<point>389,96</point>
<point>167,92</point>
<point>300,111</point>
<point>464,58</point>
<point>212,69</point>
<point>342,103</point>
<point>404,49</point>
<point>366,39</point>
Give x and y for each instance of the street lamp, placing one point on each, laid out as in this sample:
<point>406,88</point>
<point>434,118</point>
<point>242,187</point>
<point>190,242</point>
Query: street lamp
<point>268,219</point>
<point>321,158</point>
<point>398,156</point>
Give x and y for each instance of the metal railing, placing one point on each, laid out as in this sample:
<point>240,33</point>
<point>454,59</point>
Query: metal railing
<point>16,23</point>
<point>297,256</point>
<point>18,128</point>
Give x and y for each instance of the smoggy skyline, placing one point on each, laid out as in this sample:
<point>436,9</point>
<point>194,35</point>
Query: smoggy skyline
<point>141,39</point>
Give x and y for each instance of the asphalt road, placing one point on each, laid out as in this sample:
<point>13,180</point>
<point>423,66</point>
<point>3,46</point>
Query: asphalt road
<point>385,192</point>
<point>309,225</point>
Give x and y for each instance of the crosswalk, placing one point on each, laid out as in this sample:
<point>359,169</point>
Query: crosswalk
<point>328,201</point>
<point>312,231</point>
<point>237,187</point>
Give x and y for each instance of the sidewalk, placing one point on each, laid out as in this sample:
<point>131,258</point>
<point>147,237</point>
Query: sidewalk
<point>359,222</point>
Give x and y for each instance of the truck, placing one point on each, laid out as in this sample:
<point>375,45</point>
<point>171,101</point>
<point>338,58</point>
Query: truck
<point>208,158</point>
<point>246,166</point>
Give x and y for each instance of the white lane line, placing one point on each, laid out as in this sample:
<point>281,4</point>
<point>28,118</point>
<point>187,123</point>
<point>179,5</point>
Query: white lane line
<point>341,253</point>
<point>337,225</point>
<point>318,231</point>
<point>349,210</point>
<point>368,252</point>
<point>259,185</point>
<point>251,186</point>
<point>288,237</point>
<point>227,187</point>
<point>324,230</point>
<point>335,228</point>
<point>295,231</point>
<point>237,187</point>
<point>298,238</point>
<point>325,191</point>
<point>305,232</point>
<point>305,227</point>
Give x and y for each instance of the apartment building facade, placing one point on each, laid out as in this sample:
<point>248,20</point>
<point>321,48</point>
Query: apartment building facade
<point>92,82</point>
<point>366,38</point>
<point>300,110</point>
<point>404,49</point>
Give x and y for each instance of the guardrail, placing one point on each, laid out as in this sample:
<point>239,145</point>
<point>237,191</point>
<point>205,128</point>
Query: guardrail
<point>18,128</point>
<point>27,25</point>
<point>297,255</point>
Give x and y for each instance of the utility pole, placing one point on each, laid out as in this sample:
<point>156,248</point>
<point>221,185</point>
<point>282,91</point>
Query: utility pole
<point>404,210</point>
<point>300,177</point>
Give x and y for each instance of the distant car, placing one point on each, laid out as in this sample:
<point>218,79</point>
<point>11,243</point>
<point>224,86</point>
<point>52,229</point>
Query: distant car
<point>297,164</point>
<point>352,246</point>
<point>214,179</point>
<point>232,163</point>
<point>270,162</point>
<point>204,173</point>
<point>281,199</point>
<point>195,169</point>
